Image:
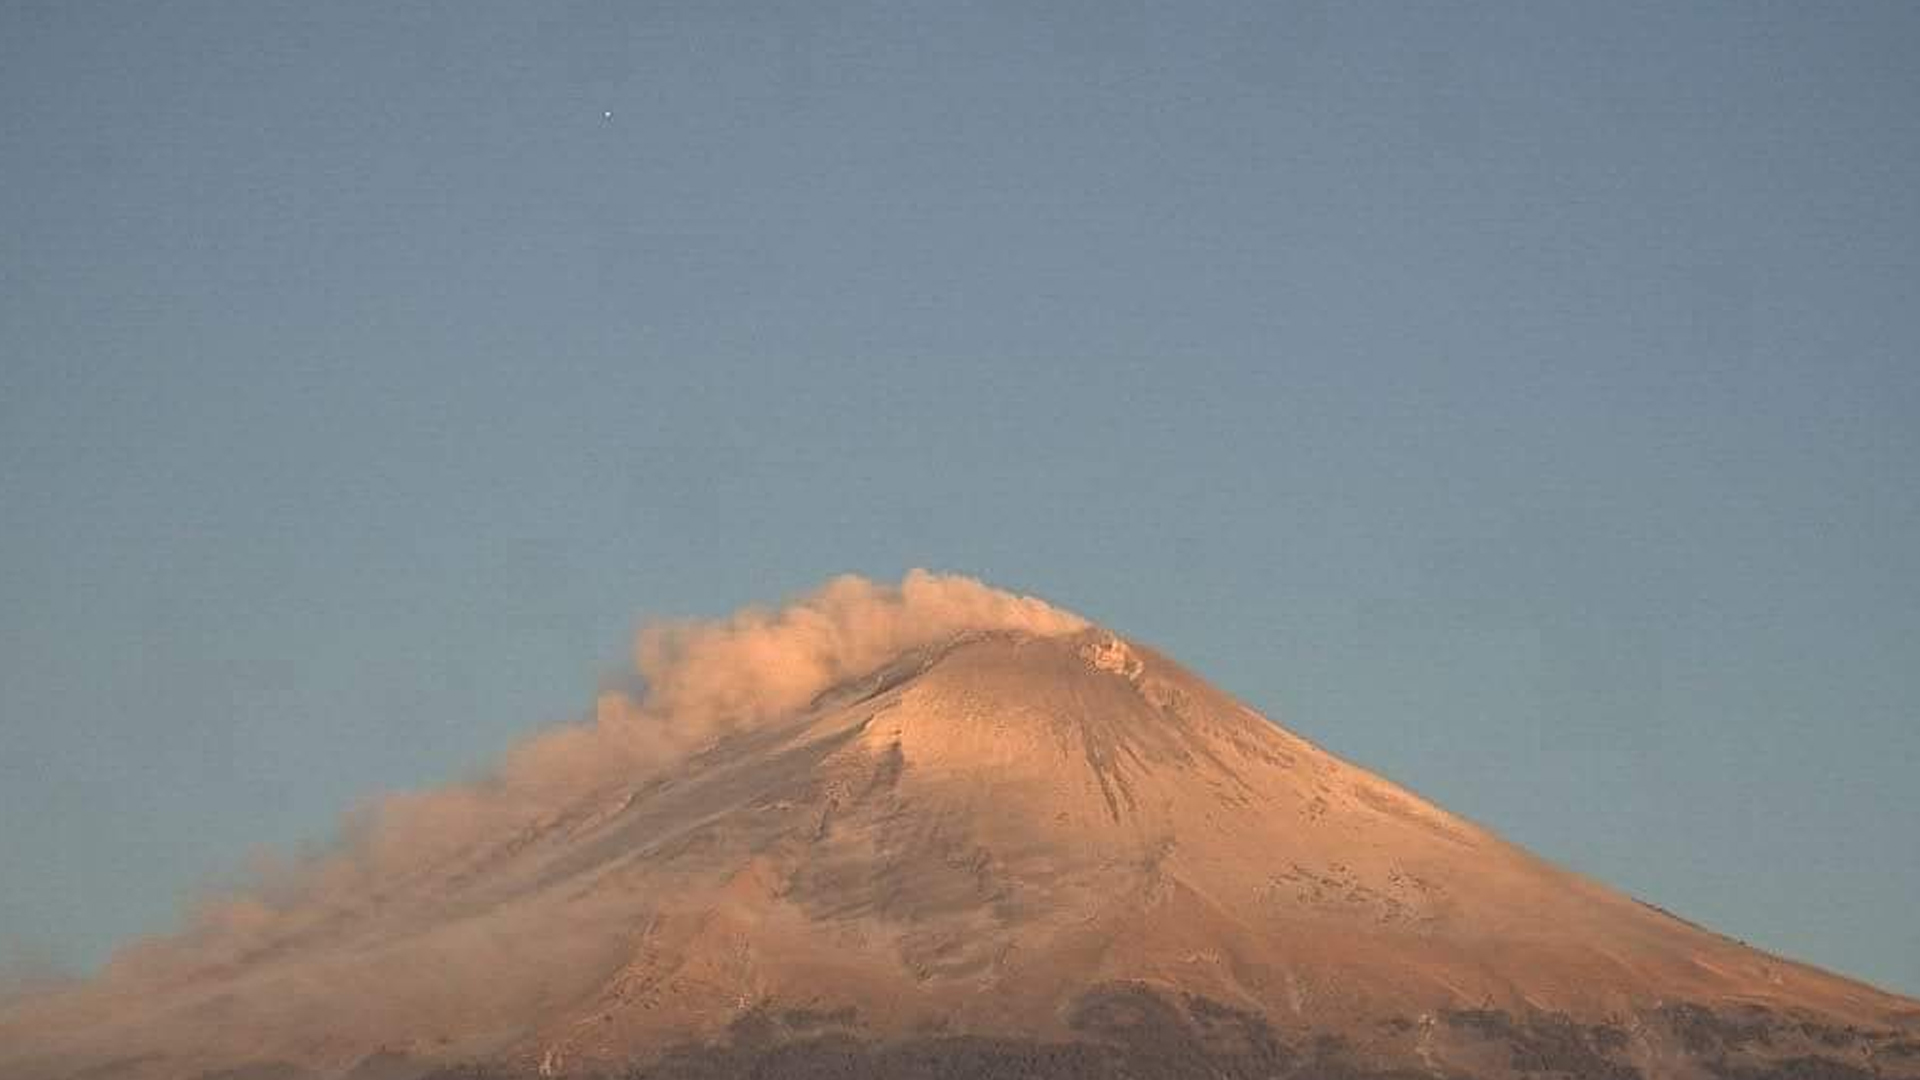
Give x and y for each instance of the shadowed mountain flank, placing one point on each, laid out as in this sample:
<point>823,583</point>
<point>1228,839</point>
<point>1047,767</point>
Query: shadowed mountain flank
<point>1003,850</point>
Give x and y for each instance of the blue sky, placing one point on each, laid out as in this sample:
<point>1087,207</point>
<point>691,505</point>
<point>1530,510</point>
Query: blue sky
<point>1522,400</point>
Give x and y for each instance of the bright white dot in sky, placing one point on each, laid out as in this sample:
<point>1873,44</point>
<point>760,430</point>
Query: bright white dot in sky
<point>608,115</point>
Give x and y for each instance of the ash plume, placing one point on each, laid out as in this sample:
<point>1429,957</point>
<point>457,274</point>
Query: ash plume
<point>702,679</point>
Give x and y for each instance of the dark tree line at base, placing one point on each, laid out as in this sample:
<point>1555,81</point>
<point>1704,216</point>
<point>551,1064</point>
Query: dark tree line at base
<point>1132,1033</point>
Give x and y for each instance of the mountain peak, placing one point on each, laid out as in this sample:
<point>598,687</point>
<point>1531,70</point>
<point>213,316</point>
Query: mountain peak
<point>942,820</point>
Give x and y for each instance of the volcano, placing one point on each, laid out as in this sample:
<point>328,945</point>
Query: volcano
<point>998,847</point>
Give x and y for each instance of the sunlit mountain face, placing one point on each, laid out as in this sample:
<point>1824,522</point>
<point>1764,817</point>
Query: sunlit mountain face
<point>935,830</point>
